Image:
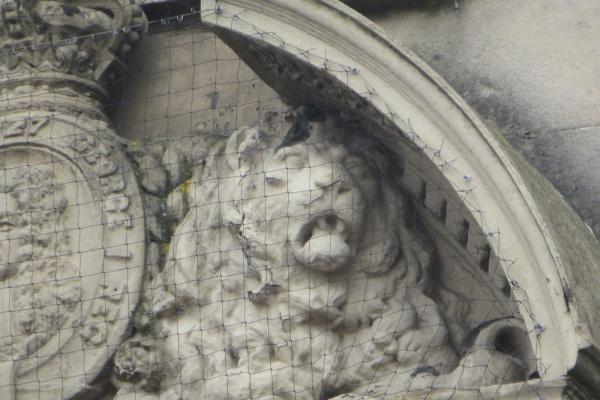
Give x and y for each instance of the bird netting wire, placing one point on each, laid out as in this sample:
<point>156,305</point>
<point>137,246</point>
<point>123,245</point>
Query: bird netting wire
<point>239,301</point>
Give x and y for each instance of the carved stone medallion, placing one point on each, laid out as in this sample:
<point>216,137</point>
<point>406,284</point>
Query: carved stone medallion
<point>71,252</point>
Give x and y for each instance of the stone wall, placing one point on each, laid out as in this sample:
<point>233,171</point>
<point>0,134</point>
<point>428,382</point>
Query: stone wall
<point>529,68</point>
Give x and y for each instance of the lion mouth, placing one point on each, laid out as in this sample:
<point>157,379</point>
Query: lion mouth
<point>324,243</point>
<point>322,225</point>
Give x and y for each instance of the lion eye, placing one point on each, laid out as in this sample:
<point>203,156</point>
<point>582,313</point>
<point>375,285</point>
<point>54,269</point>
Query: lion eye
<point>271,180</point>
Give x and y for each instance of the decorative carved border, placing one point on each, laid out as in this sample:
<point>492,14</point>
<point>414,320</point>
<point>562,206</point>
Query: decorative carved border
<point>111,287</point>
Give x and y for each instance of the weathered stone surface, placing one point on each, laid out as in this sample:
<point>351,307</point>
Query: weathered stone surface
<point>72,257</point>
<point>297,253</point>
<point>153,177</point>
<point>277,251</point>
<point>528,69</point>
<point>72,248</point>
<point>209,88</point>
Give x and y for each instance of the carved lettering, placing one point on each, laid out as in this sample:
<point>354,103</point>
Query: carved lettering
<point>121,252</point>
<point>112,184</point>
<point>29,126</point>
<point>116,204</point>
<point>118,220</point>
<point>106,167</point>
<point>83,143</point>
<point>98,153</point>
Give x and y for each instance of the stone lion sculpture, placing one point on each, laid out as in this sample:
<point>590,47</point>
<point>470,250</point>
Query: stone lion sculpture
<point>297,273</point>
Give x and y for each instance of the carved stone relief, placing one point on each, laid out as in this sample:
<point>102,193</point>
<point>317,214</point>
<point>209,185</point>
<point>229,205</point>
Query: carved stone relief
<point>72,236</point>
<point>295,270</point>
<point>282,259</point>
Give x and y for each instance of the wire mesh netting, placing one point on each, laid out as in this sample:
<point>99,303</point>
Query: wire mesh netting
<point>192,232</point>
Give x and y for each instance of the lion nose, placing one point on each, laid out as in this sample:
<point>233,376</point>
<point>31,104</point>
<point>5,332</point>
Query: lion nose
<point>329,176</point>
